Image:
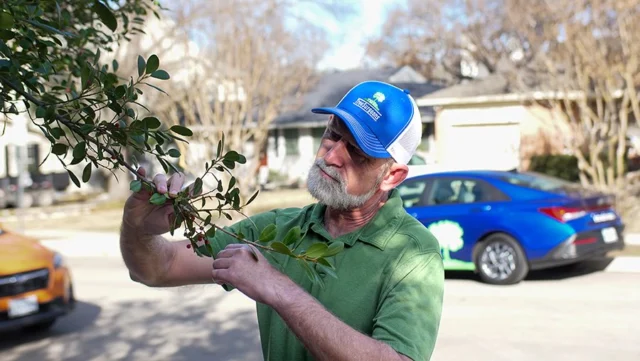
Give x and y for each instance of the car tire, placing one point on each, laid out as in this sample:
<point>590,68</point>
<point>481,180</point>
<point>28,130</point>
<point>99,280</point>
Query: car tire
<point>500,260</point>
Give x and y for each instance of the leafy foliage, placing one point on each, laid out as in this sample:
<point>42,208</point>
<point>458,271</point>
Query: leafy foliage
<point>51,71</point>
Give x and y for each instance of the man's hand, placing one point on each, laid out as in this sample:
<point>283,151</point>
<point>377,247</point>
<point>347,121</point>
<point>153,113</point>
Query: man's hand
<point>146,218</point>
<point>236,265</point>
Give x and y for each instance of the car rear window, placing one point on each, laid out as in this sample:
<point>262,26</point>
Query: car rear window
<point>539,181</point>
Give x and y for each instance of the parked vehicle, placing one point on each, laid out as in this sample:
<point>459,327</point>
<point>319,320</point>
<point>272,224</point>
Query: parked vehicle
<point>35,284</point>
<point>502,224</point>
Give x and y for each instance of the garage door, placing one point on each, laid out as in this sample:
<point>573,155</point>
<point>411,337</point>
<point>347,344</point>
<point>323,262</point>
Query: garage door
<point>481,146</point>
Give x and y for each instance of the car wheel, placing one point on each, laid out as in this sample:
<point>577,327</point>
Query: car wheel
<point>500,260</point>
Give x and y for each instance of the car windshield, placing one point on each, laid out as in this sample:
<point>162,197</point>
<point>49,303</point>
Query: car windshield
<point>539,181</point>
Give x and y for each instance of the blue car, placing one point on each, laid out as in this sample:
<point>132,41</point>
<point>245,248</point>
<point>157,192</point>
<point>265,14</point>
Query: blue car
<point>503,224</point>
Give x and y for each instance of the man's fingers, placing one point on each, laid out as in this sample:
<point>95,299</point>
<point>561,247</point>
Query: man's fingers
<point>222,263</point>
<point>142,172</point>
<point>227,252</point>
<point>220,276</point>
<point>175,184</point>
<point>160,180</point>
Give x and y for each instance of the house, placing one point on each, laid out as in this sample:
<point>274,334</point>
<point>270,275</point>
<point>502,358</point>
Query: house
<point>295,136</point>
<point>485,124</point>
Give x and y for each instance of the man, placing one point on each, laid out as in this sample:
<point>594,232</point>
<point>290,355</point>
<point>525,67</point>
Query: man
<point>387,301</point>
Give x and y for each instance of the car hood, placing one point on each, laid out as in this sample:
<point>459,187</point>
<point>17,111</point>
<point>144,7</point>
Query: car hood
<point>20,254</point>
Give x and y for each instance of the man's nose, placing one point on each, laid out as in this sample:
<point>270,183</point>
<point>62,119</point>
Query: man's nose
<point>336,154</point>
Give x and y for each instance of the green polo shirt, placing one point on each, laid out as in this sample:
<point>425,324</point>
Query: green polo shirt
<point>390,281</point>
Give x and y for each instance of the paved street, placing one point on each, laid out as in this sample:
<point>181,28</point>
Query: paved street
<point>578,314</point>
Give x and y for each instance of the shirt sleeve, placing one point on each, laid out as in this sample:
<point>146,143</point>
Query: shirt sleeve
<point>408,318</point>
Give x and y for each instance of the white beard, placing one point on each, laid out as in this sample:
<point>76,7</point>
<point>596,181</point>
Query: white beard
<point>334,194</point>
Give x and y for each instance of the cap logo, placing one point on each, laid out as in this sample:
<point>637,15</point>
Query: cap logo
<point>370,105</point>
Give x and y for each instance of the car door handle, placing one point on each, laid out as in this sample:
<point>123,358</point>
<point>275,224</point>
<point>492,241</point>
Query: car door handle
<point>480,209</point>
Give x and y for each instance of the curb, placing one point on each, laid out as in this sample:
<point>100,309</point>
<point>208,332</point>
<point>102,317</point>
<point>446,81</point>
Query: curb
<point>624,264</point>
<point>632,239</point>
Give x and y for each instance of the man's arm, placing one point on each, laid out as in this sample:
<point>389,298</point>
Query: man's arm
<point>151,259</point>
<point>157,262</point>
<point>326,336</point>
<point>418,288</point>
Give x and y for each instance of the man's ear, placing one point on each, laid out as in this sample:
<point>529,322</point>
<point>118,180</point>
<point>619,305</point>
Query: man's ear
<point>397,174</point>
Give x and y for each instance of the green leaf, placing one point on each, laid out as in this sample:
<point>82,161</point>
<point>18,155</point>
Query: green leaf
<point>152,64</point>
<point>333,249</point>
<point>232,156</point>
<point>115,65</point>
<point>120,91</point>
<point>80,150</point>
<point>141,65</point>
<point>86,128</point>
<point>281,248</point>
<point>106,16</point>
<point>74,178</point>
<point>232,182</point>
<point>241,159</point>
<point>197,186</point>
<point>59,149</point>
<point>292,236</point>
<point>219,148</point>
<point>6,20</point>
<point>311,273</point>
<point>86,173</point>
<point>151,122</point>
<point>316,250</point>
<point>57,133</point>
<point>268,234</point>
<point>160,74</point>
<point>41,112</point>
<point>158,199</point>
<point>182,130</point>
<point>253,196</point>
<point>211,232</point>
<point>135,185</point>
<point>174,153</point>
<point>325,269</point>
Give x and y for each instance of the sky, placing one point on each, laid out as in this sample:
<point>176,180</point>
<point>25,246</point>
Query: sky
<point>349,35</point>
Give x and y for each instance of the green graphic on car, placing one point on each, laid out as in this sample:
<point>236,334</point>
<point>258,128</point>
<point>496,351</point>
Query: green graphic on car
<point>450,236</point>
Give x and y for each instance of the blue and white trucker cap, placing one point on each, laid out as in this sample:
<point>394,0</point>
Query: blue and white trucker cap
<point>384,120</point>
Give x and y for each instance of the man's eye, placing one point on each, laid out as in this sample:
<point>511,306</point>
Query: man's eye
<point>330,134</point>
<point>356,154</point>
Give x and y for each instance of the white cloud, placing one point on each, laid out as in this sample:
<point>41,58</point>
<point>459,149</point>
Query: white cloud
<point>349,38</point>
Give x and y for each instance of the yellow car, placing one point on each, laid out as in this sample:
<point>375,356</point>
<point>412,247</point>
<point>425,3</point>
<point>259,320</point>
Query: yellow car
<point>35,284</point>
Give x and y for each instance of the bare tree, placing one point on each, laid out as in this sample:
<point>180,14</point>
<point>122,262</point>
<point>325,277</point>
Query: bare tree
<point>451,40</point>
<point>592,61</point>
<point>252,63</point>
<point>235,66</point>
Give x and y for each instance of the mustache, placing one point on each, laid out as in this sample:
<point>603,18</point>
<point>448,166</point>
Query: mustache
<point>332,172</point>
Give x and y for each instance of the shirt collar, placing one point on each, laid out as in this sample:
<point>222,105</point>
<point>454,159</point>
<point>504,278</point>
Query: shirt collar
<point>376,232</point>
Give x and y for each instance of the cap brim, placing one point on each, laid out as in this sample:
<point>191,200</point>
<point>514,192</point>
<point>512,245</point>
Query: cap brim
<point>368,142</point>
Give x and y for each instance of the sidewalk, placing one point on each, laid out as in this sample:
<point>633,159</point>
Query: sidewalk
<point>86,244</point>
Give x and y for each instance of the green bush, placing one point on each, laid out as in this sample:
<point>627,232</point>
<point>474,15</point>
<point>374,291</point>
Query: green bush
<point>557,165</point>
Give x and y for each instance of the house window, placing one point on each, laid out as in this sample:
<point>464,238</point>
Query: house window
<point>291,142</point>
<point>317,134</point>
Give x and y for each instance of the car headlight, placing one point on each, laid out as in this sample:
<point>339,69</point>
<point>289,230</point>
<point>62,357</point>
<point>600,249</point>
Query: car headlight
<point>58,261</point>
